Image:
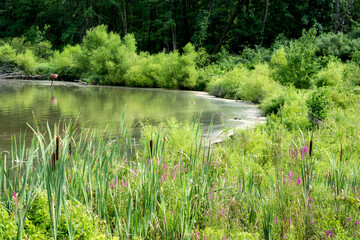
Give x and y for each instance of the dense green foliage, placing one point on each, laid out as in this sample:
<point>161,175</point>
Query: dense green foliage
<point>171,24</point>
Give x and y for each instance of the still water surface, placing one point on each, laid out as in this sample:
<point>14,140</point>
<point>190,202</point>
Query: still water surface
<point>101,106</point>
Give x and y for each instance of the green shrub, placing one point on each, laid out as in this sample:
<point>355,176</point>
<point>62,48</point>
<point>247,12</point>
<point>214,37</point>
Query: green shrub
<point>178,71</point>
<point>317,104</point>
<point>341,97</point>
<point>20,44</point>
<point>26,61</point>
<point>254,56</point>
<point>43,49</point>
<point>226,61</point>
<point>332,75</point>
<point>226,86</point>
<point>241,83</point>
<point>257,84</point>
<point>295,65</point>
<point>352,74</point>
<point>273,102</point>
<point>38,223</point>
<point>7,54</point>
<point>337,45</point>
<point>105,56</point>
<point>294,112</point>
<point>64,62</point>
<point>144,74</point>
<point>7,226</point>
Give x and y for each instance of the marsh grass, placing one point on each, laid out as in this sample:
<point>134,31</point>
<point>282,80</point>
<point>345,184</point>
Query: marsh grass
<point>269,182</point>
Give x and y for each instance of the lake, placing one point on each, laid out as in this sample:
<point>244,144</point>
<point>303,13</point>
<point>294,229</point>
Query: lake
<point>99,106</point>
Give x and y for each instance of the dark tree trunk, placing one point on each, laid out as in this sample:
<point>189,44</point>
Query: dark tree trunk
<point>227,27</point>
<point>123,17</point>
<point>336,17</point>
<point>264,22</point>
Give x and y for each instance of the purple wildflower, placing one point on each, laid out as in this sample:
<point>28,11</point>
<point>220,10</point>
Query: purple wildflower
<point>291,174</point>
<point>298,181</point>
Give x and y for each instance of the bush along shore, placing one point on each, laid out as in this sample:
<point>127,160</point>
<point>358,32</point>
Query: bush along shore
<point>295,177</point>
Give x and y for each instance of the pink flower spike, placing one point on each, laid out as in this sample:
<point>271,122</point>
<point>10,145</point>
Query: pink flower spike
<point>14,195</point>
<point>299,181</point>
<point>290,221</point>
<point>311,200</point>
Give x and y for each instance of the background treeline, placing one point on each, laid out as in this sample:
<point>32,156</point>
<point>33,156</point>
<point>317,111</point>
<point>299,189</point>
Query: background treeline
<point>171,24</point>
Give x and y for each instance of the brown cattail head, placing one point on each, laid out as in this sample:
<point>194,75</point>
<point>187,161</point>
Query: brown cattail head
<point>69,150</point>
<point>54,161</point>
<point>341,152</point>
<point>57,148</point>
<point>311,145</point>
<point>151,147</point>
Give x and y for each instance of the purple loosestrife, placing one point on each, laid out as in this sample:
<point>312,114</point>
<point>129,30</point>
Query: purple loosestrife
<point>290,177</point>
<point>298,181</point>
<point>330,233</point>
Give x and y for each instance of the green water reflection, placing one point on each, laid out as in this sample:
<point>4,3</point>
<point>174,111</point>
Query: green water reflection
<point>99,106</point>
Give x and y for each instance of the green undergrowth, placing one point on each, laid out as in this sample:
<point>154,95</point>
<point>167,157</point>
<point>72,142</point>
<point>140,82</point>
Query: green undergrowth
<point>285,178</point>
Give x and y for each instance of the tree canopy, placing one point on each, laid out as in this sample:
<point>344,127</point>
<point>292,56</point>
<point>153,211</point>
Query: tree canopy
<point>171,24</point>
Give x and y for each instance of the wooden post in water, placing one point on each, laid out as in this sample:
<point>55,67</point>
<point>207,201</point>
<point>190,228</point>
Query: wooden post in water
<point>53,76</point>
